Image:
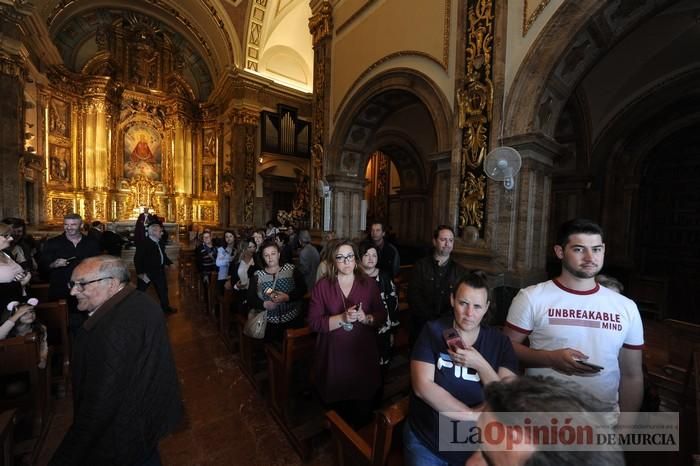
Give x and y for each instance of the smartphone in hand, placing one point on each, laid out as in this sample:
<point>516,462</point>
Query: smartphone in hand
<point>590,364</point>
<point>453,340</point>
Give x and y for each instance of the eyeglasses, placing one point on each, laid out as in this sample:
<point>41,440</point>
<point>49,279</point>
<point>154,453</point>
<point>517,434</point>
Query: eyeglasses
<point>345,259</point>
<point>81,285</point>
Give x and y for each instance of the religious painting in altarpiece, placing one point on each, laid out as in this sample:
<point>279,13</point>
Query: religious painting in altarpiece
<point>143,154</point>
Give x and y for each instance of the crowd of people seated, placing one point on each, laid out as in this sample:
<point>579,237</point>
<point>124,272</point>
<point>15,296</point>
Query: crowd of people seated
<point>347,295</point>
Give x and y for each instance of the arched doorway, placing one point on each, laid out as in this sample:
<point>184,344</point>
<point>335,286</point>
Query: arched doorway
<point>402,115</point>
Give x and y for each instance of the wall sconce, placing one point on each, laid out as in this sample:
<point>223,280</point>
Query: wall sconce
<point>260,160</point>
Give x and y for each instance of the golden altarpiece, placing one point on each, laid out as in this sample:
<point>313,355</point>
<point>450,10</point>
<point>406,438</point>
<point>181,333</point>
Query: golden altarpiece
<point>127,132</point>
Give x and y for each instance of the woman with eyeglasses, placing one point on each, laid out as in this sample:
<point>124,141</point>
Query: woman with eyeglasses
<point>13,278</point>
<point>278,289</point>
<point>345,310</point>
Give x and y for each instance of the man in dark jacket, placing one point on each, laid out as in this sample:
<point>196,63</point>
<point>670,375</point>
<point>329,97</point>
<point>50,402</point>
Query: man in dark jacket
<point>126,394</point>
<point>389,260</point>
<point>432,282</point>
<point>60,255</point>
<point>150,261</point>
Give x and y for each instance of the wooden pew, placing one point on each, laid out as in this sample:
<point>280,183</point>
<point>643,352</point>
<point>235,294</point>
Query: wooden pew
<point>40,291</point>
<point>186,267</point>
<point>54,315</point>
<point>289,368</point>
<point>378,444</point>
<point>8,419</point>
<point>227,323</point>
<point>650,294</point>
<point>674,378</point>
<point>212,297</point>
<point>250,348</point>
<point>20,355</point>
<point>677,382</point>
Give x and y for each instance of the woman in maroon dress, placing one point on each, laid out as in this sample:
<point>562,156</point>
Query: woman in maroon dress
<point>345,310</point>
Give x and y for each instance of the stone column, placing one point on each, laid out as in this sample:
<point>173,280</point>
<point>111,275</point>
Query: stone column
<point>518,220</point>
<point>244,134</point>
<point>346,199</point>
<point>321,28</point>
<point>12,69</point>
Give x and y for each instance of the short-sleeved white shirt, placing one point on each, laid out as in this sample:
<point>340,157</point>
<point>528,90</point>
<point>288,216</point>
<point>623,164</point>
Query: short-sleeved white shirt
<point>598,322</point>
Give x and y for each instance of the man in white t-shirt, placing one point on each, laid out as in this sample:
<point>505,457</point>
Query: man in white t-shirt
<point>577,329</point>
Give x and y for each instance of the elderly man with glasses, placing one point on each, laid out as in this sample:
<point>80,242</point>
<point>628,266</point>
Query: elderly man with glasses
<point>126,394</point>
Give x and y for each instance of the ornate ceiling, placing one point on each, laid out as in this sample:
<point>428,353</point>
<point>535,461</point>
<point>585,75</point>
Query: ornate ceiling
<point>213,37</point>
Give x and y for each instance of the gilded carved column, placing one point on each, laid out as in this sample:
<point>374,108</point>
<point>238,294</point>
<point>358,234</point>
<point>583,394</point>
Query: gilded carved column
<point>244,129</point>
<point>475,111</point>
<point>321,27</point>
<point>178,172</point>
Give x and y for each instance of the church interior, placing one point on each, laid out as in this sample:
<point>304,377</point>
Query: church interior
<point>331,114</point>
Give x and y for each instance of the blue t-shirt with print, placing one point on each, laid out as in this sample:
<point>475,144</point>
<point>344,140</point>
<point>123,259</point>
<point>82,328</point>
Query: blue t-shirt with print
<point>463,384</point>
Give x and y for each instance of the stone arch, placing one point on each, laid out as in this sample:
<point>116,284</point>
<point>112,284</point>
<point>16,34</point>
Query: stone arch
<point>402,79</point>
<point>576,37</point>
<point>403,114</point>
<point>558,178</point>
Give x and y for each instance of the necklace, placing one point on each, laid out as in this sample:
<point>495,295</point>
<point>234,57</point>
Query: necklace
<point>347,326</point>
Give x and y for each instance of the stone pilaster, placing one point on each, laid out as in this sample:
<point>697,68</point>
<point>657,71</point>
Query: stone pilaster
<point>346,200</point>
<point>12,71</point>
<point>321,28</point>
<point>518,221</point>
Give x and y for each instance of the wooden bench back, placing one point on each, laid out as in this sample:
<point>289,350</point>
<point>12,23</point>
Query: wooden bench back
<point>376,445</point>
<point>54,315</point>
<point>20,355</point>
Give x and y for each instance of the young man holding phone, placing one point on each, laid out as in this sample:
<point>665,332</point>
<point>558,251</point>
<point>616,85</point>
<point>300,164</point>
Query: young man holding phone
<point>577,329</point>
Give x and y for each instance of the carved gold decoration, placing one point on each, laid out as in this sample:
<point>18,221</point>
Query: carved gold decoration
<point>249,193</point>
<point>249,202</point>
<point>181,212</point>
<point>317,175</point>
<point>11,65</point>
<point>207,214</point>
<point>141,192</point>
<point>61,208</point>
<point>321,24</point>
<point>531,10</point>
<point>301,198</point>
<point>474,106</point>
<point>321,28</point>
<point>471,203</point>
<point>245,117</point>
